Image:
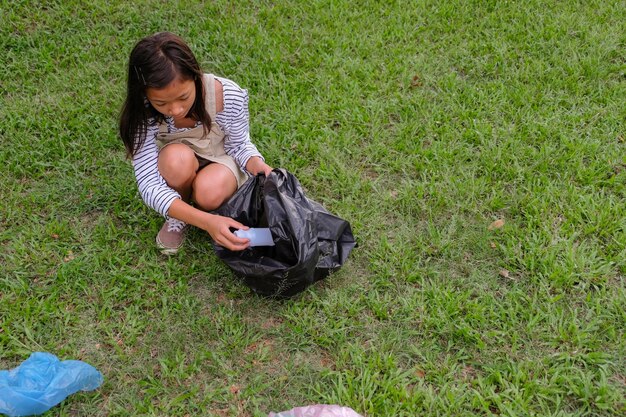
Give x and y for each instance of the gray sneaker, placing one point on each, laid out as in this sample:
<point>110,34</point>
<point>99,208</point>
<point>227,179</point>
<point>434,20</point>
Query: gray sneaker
<point>171,236</point>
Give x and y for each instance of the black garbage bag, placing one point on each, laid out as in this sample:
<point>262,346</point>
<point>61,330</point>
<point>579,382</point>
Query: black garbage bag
<point>309,242</point>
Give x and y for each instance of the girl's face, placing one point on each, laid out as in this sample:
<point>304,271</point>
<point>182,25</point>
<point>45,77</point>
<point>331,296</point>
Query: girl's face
<point>175,99</point>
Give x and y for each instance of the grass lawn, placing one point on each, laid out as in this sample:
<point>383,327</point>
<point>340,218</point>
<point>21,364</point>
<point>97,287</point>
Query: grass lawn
<point>478,148</point>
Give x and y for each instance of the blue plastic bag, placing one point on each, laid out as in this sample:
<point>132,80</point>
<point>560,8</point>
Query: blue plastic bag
<point>43,381</point>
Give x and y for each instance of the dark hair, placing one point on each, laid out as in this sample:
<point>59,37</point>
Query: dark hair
<point>154,62</point>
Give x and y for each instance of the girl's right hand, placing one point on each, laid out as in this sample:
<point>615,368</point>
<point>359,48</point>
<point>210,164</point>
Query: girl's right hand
<point>219,229</point>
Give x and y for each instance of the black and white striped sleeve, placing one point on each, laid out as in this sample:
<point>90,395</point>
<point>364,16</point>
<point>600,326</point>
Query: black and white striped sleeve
<point>152,186</point>
<point>235,122</point>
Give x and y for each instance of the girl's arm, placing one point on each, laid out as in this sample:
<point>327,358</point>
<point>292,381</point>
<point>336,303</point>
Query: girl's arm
<point>152,186</point>
<point>216,226</point>
<point>235,122</point>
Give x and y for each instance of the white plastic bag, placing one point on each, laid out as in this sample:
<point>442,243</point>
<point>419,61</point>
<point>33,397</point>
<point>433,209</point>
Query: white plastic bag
<point>317,410</point>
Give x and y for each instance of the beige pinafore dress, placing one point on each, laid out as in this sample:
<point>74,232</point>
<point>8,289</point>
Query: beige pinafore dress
<point>209,147</point>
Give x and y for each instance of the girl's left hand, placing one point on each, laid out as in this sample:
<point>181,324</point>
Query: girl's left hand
<point>256,166</point>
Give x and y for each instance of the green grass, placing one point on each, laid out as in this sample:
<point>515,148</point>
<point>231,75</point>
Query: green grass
<point>420,122</point>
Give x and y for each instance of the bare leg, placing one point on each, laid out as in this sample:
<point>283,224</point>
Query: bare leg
<point>178,166</point>
<point>212,186</point>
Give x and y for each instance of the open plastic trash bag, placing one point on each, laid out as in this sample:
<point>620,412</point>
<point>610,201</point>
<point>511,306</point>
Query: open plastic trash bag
<point>318,410</point>
<point>309,242</point>
<point>43,381</point>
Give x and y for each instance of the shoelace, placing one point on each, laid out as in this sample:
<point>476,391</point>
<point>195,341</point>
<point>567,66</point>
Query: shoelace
<point>175,225</point>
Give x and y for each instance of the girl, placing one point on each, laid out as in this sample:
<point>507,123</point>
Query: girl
<point>188,136</point>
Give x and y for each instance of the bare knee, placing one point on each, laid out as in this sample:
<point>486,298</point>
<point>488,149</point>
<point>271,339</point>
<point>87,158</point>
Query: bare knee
<point>178,165</point>
<point>213,186</point>
<point>208,198</point>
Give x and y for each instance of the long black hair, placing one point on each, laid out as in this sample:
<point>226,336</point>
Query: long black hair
<point>154,62</point>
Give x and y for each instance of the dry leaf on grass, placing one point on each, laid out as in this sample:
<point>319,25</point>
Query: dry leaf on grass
<point>496,225</point>
<point>416,81</point>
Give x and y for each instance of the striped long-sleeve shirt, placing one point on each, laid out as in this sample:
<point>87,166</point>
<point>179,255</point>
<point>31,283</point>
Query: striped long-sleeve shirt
<point>235,124</point>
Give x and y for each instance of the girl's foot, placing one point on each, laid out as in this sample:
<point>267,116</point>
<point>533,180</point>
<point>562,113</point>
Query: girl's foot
<point>171,236</point>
